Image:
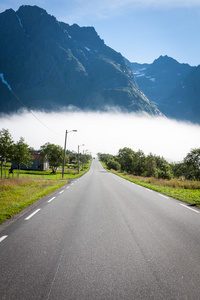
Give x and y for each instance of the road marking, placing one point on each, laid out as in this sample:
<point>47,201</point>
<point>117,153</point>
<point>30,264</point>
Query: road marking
<point>51,199</point>
<point>35,212</point>
<point>67,187</point>
<point>61,192</point>
<point>149,190</point>
<point>72,184</point>
<point>3,238</point>
<point>164,196</point>
<point>190,208</point>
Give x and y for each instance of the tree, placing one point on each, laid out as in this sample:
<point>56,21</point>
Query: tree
<point>192,161</point>
<point>113,164</point>
<point>21,154</point>
<point>150,166</point>
<point>105,157</point>
<point>6,148</point>
<point>125,158</point>
<point>164,169</point>
<point>138,163</point>
<point>54,154</point>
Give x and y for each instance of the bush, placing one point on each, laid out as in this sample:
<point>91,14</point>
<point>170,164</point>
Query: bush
<point>113,164</point>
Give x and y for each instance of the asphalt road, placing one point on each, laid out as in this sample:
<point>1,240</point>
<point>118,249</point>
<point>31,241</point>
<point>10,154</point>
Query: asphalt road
<point>101,237</point>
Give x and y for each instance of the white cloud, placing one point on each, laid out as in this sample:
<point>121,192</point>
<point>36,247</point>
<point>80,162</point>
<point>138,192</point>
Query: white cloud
<point>106,132</point>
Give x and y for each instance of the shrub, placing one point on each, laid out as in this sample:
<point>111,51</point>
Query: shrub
<point>113,164</point>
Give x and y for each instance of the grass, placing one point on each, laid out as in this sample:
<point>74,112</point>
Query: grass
<point>184,190</point>
<point>16,193</point>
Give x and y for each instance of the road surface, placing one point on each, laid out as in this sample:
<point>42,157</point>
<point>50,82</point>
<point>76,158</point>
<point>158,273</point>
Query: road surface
<point>102,237</point>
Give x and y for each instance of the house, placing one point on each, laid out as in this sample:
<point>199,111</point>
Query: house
<point>38,163</point>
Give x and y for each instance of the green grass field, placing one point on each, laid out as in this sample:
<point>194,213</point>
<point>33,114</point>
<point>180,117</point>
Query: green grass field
<point>16,193</point>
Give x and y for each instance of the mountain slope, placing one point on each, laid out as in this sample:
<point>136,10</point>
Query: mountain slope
<point>50,65</point>
<point>174,87</point>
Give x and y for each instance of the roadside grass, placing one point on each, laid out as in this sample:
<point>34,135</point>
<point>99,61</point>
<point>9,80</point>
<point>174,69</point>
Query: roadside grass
<point>69,173</point>
<point>184,190</point>
<point>16,193</point>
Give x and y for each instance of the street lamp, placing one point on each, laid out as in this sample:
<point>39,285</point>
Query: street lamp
<point>65,149</point>
<point>78,155</point>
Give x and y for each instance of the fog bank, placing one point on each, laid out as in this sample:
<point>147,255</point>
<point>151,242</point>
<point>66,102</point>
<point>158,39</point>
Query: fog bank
<point>105,132</point>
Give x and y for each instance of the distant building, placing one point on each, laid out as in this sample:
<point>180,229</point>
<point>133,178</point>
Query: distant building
<point>38,163</point>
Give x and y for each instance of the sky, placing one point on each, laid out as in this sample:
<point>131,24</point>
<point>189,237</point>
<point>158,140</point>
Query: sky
<point>141,30</point>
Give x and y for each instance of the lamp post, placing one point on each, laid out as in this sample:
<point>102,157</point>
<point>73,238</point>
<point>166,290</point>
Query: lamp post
<point>78,155</point>
<point>65,149</point>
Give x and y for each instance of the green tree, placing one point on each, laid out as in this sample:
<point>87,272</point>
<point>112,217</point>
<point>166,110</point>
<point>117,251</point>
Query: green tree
<point>164,169</point>
<point>180,170</point>
<point>113,164</point>
<point>21,154</point>
<point>138,163</point>
<point>54,154</point>
<point>125,158</point>
<point>105,157</point>
<point>6,148</point>
<point>150,166</point>
<point>192,161</point>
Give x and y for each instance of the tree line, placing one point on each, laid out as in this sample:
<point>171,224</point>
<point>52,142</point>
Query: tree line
<point>19,153</point>
<point>139,164</point>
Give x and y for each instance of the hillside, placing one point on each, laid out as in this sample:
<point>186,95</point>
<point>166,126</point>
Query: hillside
<point>51,65</point>
<point>174,87</point>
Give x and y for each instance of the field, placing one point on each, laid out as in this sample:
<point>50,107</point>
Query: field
<point>16,193</point>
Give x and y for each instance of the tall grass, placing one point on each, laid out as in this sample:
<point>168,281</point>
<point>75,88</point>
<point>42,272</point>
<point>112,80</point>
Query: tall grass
<point>18,193</point>
<point>184,190</point>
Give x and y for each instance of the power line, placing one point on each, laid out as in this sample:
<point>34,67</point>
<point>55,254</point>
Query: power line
<point>33,113</point>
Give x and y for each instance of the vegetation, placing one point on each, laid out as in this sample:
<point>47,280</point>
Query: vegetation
<point>18,192</point>
<point>21,154</point>
<point>54,155</point>
<point>178,180</point>
<point>138,164</point>
<point>6,148</point>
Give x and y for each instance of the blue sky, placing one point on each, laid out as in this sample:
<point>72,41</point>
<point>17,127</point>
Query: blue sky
<point>141,30</point>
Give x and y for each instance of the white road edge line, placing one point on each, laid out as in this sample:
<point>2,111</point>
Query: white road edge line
<point>149,190</point>
<point>67,187</point>
<point>3,238</point>
<point>51,199</point>
<point>61,192</point>
<point>164,196</point>
<point>35,212</point>
<point>190,208</point>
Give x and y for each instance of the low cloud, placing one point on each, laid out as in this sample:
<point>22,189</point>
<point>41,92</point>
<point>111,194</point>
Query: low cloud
<point>105,132</point>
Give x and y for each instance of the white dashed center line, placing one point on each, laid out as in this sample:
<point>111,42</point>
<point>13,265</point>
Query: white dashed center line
<point>3,238</point>
<point>35,212</point>
<point>51,199</point>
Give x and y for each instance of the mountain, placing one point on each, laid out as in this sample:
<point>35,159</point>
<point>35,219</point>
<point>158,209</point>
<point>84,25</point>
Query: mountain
<point>50,65</point>
<point>174,87</point>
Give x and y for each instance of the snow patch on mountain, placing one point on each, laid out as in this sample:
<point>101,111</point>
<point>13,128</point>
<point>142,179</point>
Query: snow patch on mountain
<point>20,23</point>
<point>4,81</point>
